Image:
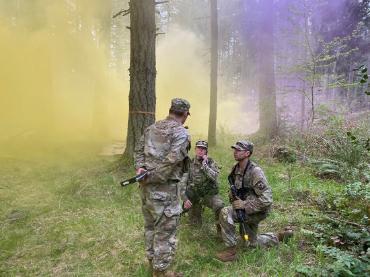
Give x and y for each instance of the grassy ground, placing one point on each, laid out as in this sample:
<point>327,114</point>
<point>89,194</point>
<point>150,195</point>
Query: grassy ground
<point>65,214</point>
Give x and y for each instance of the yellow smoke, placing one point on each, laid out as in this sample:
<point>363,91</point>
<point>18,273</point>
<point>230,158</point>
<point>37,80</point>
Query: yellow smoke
<point>56,83</point>
<point>183,71</point>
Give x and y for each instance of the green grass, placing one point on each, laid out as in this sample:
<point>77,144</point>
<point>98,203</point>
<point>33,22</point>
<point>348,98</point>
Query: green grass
<point>65,214</point>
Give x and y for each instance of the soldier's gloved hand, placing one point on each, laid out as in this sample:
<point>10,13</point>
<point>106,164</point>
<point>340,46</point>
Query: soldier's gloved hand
<point>239,204</point>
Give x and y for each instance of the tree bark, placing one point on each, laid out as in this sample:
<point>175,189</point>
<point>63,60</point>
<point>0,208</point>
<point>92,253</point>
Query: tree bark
<point>214,69</point>
<point>142,98</point>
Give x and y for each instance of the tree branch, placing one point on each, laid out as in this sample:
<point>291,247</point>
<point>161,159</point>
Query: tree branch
<point>122,12</point>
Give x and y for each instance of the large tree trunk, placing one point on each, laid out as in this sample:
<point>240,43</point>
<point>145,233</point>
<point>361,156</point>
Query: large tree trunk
<point>266,72</point>
<point>142,71</point>
<point>214,67</point>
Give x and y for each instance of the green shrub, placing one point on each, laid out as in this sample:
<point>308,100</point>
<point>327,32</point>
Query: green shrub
<point>337,148</point>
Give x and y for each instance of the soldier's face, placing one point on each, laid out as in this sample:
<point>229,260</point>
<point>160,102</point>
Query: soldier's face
<point>200,152</point>
<point>240,155</point>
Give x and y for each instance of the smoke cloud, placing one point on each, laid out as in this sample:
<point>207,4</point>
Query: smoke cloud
<point>57,86</point>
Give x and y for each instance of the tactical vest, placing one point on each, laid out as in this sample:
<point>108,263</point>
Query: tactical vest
<point>203,185</point>
<point>246,186</point>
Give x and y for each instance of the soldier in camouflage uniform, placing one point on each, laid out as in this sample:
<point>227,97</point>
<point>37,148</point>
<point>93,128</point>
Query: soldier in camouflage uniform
<point>164,146</point>
<point>250,181</point>
<point>202,185</point>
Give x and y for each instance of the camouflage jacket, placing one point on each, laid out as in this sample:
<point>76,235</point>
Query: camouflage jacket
<point>163,146</point>
<point>202,178</point>
<point>253,188</point>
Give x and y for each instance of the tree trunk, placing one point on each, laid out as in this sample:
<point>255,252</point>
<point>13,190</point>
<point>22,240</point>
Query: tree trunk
<point>312,103</point>
<point>214,67</point>
<point>303,107</point>
<point>266,72</point>
<point>142,71</point>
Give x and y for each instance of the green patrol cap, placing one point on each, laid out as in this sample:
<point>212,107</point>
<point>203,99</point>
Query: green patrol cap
<point>201,143</point>
<point>180,105</point>
<point>243,145</point>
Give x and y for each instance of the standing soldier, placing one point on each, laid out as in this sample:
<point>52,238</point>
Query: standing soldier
<point>202,186</point>
<point>163,149</point>
<point>256,193</point>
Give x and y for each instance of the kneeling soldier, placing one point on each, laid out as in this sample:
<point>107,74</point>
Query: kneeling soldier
<point>256,195</point>
<point>202,186</point>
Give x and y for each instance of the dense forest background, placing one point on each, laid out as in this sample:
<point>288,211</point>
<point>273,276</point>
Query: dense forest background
<point>81,79</point>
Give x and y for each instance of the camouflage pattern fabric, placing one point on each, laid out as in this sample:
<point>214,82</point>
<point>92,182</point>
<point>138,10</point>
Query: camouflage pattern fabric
<point>202,144</point>
<point>202,189</point>
<point>161,210</point>
<point>180,105</point>
<point>243,145</point>
<point>267,240</point>
<point>258,200</point>
<point>258,193</point>
<point>214,202</point>
<point>163,147</point>
<point>228,221</point>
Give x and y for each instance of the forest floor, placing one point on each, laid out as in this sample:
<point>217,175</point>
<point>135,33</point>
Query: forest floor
<point>64,214</point>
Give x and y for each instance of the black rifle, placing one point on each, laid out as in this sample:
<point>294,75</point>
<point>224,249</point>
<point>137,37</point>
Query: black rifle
<point>239,212</point>
<point>141,176</point>
<point>135,179</point>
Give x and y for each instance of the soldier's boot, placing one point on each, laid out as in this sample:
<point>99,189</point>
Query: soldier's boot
<point>195,215</point>
<point>285,235</point>
<point>252,240</point>
<point>227,255</point>
<point>166,273</point>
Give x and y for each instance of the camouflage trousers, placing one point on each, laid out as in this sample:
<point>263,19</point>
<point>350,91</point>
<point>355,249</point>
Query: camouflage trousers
<point>161,209</point>
<point>213,202</point>
<point>228,221</point>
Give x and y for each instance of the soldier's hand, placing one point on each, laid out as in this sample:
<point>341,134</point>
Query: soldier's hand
<point>205,159</point>
<point>187,204</point>
<point>140,170</point>
<point>238,204</point>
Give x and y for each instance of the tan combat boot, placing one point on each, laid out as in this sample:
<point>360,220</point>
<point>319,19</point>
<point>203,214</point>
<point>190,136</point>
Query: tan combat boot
<point>227,255</point>
<point>285,235</point>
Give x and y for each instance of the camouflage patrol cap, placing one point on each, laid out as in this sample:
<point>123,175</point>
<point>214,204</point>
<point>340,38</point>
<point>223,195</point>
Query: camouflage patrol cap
<point>180,105</point>
<point>201,143</point>
<point>243,145</point>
